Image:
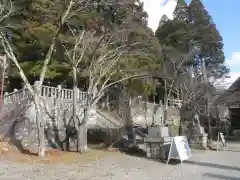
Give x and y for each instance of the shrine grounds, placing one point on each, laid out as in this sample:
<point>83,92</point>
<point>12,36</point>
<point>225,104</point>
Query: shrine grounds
<point>102,165</point>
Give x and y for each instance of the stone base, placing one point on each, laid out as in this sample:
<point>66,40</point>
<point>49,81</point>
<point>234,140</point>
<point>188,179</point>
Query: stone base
<point>157,151</point>
<point>199,142</point>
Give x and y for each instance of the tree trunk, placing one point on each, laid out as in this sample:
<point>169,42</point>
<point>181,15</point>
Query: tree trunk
<point>82,138</point>
<point>82,133</point>
<point>75,119</point>
<point>182,111</point>
<point>40,127</point>
<point>165,103</point>
<point>128,118</point>
<point>81,127</point>
<point>205,78</point>
<point>180,129</point>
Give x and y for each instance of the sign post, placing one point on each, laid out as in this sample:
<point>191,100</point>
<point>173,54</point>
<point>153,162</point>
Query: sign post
<point>179,149</point>
<point>221,136</point>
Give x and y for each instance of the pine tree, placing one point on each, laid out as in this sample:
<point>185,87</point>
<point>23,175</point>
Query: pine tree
<point>208,39</point>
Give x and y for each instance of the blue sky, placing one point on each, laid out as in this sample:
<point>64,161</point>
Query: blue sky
<point>224,14</point>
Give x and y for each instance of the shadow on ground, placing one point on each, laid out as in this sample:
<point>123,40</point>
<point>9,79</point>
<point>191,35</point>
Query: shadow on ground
<point>220,177</point>
<point>135,151</point>
<point>124,146</point>
<point>212,165</point>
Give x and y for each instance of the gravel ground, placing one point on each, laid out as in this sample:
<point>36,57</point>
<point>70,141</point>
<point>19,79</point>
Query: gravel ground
<point>204,165</point>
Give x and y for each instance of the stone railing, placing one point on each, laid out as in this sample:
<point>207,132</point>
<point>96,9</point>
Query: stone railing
<point>175,102</point>
<point>46,92</point>
<point>16,96</point>
<point>58,103</point>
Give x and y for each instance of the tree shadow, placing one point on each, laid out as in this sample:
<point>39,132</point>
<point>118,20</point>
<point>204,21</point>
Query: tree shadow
<point>212,165</point>
<point>133,151</point>
<point>220,177</point>
<point>14,141</point>
<point>173,162</point>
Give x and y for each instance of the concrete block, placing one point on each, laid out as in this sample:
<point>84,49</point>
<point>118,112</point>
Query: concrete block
<point>158,131</point>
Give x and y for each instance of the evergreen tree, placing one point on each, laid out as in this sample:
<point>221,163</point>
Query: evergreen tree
<point>208,39</point>
<point>163,20</point>
<point>181,11</point>
<point>193,26</point>
<point>175,34</point>
<point>36,23</point>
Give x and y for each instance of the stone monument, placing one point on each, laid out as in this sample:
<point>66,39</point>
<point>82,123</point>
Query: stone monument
<point>158,138</point>
<point>198,135</point>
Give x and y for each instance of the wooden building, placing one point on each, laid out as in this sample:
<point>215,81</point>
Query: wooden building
<point>231,99</point>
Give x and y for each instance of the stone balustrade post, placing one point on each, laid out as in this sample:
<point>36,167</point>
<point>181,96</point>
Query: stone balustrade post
<point>24,91</point>
<point>78,94</point>
<point>5,99</point>
<point>59,91</point>
<point>14,96</point>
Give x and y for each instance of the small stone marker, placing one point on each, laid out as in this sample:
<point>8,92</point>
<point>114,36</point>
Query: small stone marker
<point>179,149</point>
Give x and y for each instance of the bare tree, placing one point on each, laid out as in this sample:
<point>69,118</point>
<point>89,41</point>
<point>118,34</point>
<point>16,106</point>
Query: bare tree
<point>188,86</point>
<point>182,85</point>
<point>102,57</point>
<point>36,93</point>
<point>98,57</point>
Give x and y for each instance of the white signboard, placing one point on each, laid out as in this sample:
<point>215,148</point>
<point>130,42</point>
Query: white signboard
<point>179,149</point>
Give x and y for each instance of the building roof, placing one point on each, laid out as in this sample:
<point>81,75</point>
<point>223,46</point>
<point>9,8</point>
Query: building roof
<point>232,95</point>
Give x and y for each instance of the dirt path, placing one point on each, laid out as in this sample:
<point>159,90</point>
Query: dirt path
<point>103,165</point>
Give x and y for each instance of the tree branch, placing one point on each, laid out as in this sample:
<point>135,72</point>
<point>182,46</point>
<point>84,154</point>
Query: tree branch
<point>9,11</point>
<point>54,40</point>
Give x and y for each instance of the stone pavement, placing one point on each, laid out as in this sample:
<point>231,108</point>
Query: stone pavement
<point>204,165</point>
<point>232,146</point>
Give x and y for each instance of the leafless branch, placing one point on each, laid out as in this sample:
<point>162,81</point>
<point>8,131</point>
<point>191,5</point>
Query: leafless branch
<point>10,54</point>
<point>54,40</point>
<point>3,8</point>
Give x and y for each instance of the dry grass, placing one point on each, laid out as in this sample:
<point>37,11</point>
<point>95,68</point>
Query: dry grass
<point>53,156</point>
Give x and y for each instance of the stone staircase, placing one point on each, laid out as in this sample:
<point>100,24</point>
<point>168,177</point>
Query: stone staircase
<point>57,104</point>
<point>140,131</point>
